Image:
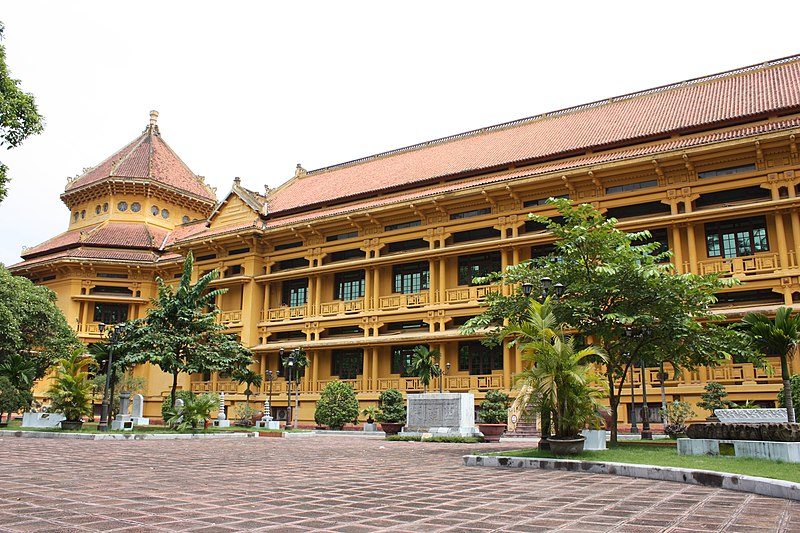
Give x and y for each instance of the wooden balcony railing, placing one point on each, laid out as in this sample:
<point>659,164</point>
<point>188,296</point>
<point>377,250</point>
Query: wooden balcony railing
<point>729,374</point>
<point>398,301</point>
<point>746,264</point>
<point>230,318</point>
<point>341,307</point>
<point>287,313</point>
<point>469,294</point>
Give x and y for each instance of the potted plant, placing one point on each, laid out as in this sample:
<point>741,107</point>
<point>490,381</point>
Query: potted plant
<point>71,391</point>
<point>392,415</point>
<point>371,412</point>
<point>714,398</point>
<point>677,413</point>
<point>560,381</point>
<point>493,412</point>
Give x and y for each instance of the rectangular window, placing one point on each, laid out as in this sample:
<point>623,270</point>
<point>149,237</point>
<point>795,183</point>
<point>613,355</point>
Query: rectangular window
<point>239,251</point>
<point>735,238</point>
<point>347,364</point>
<point>110,289</point>
<point>401,326</point>
<point>402,246</point>
<point>299,262</point>
<point>542,201</point>
<point>402,225</point>
<point>349,285</point>
<point>411,278</point>
<point>233,270</point>
<point>111,275</point>
<point>632,186</point>
<point>288,245</point>
<point>401,360</point>
<point>475,358</point>
<point>725,171</point>
<point>470,214</point>
<point>476,265</point>
<point>295,292</point>
<point>110,313</point>
<point>345,330</point>
<point>344,255</point>
<point>659,236</point>
<point>206,257</point>
<point>342,236</point>
<point>732,196</point>
<point>476,235</point>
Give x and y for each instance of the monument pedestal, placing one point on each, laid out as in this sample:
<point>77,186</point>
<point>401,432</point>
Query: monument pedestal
<point>122,422</point>
<point>222,423</point>
<point>441,414</point>
<point>268,424</point>
<point>42,420</point>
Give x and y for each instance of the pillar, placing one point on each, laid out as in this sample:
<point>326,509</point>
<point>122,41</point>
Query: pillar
<point>374,368</point>
<point>692,243</point>
<point>677,248</point>
<point>795,217</point>
<point>506,366</point>
<point>783,253</point>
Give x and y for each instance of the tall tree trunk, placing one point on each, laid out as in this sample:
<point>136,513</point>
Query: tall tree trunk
<point>613,401</point>
<point>174,388</point>
<point>787,388</point>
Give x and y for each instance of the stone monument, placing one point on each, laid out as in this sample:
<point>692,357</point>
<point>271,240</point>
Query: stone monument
<point>266,421</point>
<point>441,414</point>
<point>123,420</point>
<point>221,421</point>
<point>137,411</point>
<point>42,420</point>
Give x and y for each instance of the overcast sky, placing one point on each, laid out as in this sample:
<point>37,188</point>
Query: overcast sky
<point>250,89</point>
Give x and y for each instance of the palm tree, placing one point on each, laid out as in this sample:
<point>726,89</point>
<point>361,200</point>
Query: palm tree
<point>250,378</point>
<point>779,337</point>
<point>559,382</point>
<point>423,365</point>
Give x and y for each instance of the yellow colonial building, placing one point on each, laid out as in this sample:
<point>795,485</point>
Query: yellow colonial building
<point>359,262</point>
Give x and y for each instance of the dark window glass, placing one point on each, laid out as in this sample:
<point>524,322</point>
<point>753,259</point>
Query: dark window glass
<point>745,194</point>
<point>411,324</point>
<point>542,201</point>
<point>349,285</point>
<point>402,246</point>
<point>734,238</point>
<point>347,364</point>
<point>345,330</point>
<point>233,270</point>
<point>748,297</point>
<point>299,262</point>
<point>638,210</point>
<point>476,235</point>
<point>401,360</point>
<point>341,236</point>
<point>239,251</point>
<point>110,313</point>
<point>472,213</point>
<point>287,245</point>
<point>109,289</point>
<point>411,278</point>
<point>206,257</point>
<point>461,320</point>
<point>295,292</point>
<point>531,226</point>
<point>344,255</point>
<point>111,275</point>
<point>659,236</point>
<point>475,358</point>
<point>402,225</point>
<point>632,186</point>
<point>136,207</point>
<point>476,265</point>
<point>726,171</point>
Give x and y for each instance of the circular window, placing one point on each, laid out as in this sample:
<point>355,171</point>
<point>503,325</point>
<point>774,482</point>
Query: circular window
<point>122,206</point>
<point>75,216</point>
<point>97,210</point>
<point>154,210</point>
<point>164,213</point>
<point>136,207</point>
<point>185,220</point>
<point>105,207</point>
<point>83,213</point>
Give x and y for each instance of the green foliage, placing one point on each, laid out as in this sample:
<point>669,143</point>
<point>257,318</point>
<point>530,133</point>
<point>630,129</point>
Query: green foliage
<point>19,117</point>
<point>393,408</point>
<point>249,377</point>
<point>714,397</point>
<point>616,285</point>
<point>779,337</point>
<point>423,365</point>
<point>194,413</point>
<point>125,382</point>
<point>337,405</point>
<point>677,413</point>
<point>301,362</point>
<point>71,390</point>
<point>13,399</point>
<point>180,335</point>
<point>166,405</point>
<point>494,409</point>
<point>244,413</point>
<point>371,412</point>
<point>559,381</point>
<point>795,381</point>
<point>34,333</point>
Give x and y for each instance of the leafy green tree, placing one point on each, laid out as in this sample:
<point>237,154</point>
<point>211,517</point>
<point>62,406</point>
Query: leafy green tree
<point>34,333</point>
<point>19,117</point>
<point>780,337</point>
<point>181,334</point>
<point>423,365</point>
<point>795,379</point>
<point>714,397</point>
<point>12,398</point>
<point>249,377</point>
<point>620,291</point>
<point>393,408</point>
<point>494,409</point>
<point>337,405</point>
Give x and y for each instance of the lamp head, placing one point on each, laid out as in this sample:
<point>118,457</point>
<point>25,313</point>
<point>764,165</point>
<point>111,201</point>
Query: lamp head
<point>101,327</point>
<point>559,289</point>
<point>281,351</point>
<point>447,365</point>
<point>546,284</point>
<point>527,288</point>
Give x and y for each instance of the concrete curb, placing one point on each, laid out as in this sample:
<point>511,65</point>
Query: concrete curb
<point>758,485</point>
<point>124,436</point>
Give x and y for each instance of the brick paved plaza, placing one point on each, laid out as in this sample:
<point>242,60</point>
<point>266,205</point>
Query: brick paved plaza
<point>342,484</point>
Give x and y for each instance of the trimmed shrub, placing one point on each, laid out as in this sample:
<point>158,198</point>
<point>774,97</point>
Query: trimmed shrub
<point>337,406</point>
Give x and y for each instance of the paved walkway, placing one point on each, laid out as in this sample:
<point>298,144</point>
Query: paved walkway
<point>341,484</point>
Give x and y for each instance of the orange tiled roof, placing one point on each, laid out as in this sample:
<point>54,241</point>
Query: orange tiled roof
<point>103,235</point>
<point>146,157</point>
<point>692,105</point>
<point>98,254</point>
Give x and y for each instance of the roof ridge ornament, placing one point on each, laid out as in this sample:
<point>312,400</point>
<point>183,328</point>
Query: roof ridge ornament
<point>299,171</point>
<point>153,126</point>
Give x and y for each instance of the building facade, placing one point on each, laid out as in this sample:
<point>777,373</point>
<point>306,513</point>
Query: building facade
<point>359,262</point>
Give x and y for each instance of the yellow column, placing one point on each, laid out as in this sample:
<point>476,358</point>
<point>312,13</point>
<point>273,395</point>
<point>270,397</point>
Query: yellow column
<point>365,360</point>
<point>432,289</point>
<point>442,280</point>
<point>367,288</point>
<point>517,360</point>
<point>677,248</point>
<point>266,301</point>
<point>783,253</point>
<point>795,216</point>
<point>692,244</point>
<point>314,371</point>
<point>374,368</point>
<point>503,264</point>
<point>376,289</point>
<point>515,255</point>
<point>506,366</point>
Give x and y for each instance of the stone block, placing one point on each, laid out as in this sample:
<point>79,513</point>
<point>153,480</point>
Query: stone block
<point>698,447</point>
<point>222,423</point>
<point>595,439</point>
<point>441,414</point>
<point>42,420</point>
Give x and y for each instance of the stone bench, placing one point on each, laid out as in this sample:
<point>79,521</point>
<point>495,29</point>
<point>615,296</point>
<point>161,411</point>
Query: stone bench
<point>788,452</point>
<point>751,416</point>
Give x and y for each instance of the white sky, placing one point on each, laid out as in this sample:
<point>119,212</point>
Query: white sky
<point>250,89</point>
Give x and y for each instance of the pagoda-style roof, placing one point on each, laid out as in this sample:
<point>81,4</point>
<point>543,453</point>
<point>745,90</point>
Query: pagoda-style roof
<point>715,101</point>
<point>149,158</point>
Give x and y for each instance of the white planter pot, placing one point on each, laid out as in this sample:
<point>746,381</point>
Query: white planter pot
<point>595,439</point>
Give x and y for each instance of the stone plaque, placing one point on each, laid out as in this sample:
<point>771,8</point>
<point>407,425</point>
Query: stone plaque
<point>441,414</point>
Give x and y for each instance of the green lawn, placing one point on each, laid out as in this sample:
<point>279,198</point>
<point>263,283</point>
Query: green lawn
<point>668,456</point>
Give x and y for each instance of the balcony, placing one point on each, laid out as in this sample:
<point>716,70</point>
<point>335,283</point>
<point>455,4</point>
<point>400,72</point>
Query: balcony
<point>278,314</point>
<point>341,307</point>
<point>403,301</point>
<point>469,294</point>
<point>729,374</point>
<point>230,319</point>
<point>746,264</point>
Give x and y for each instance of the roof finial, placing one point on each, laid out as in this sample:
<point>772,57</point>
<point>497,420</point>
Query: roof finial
<point>153,117</point>
<point>299,171</point>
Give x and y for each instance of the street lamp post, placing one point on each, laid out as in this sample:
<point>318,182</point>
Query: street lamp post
<point>113,336</point>
<point>290,365</point>
<point>634,427</point>
<point>297,352</point>
<point>442,373</point>
<point>646,433</point>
